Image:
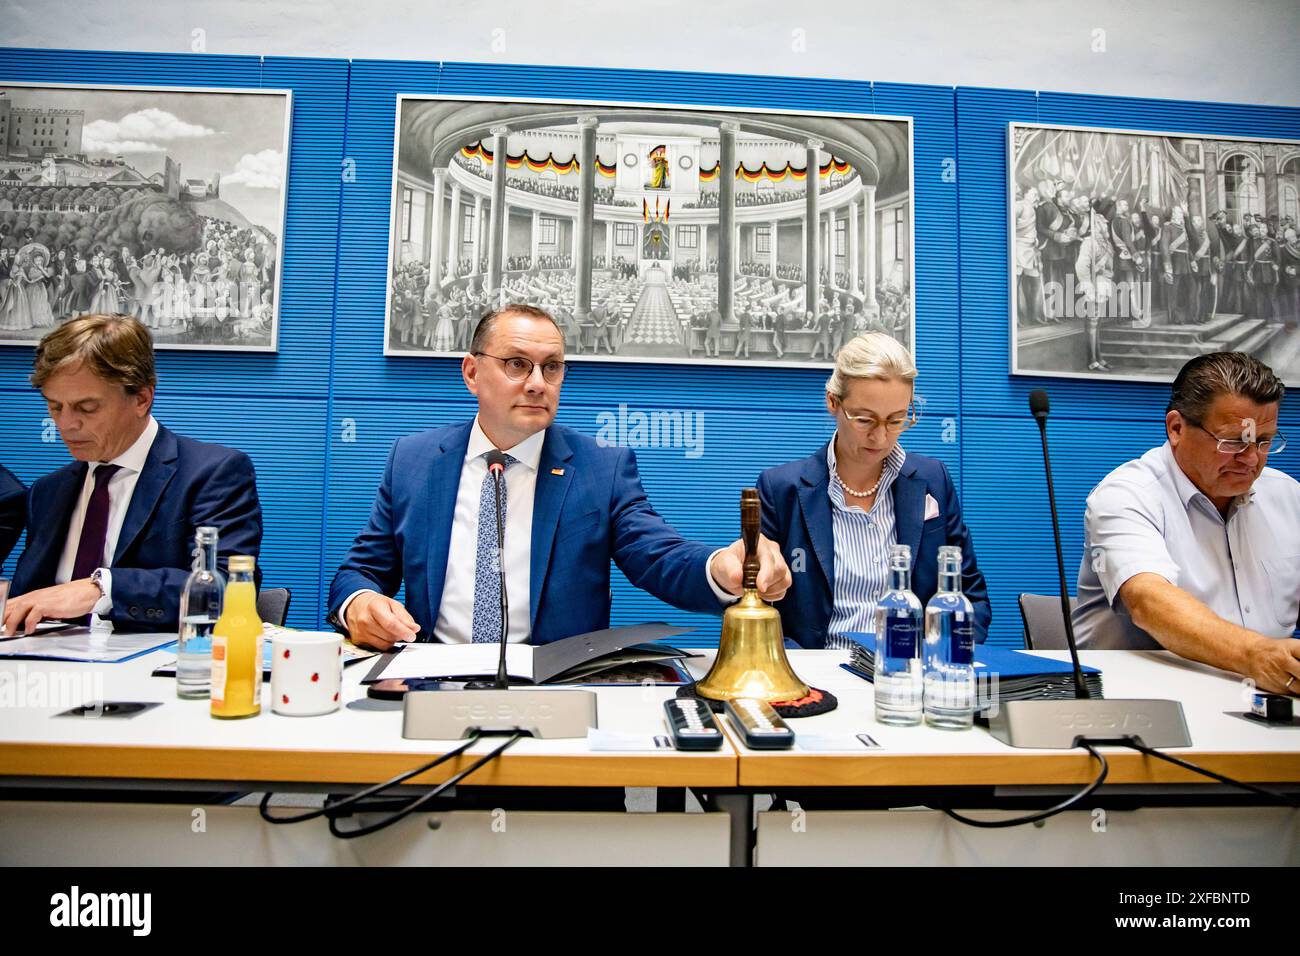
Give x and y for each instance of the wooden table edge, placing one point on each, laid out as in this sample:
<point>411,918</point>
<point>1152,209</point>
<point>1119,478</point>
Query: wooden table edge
<point>909,770</point>
<point>139,762</point>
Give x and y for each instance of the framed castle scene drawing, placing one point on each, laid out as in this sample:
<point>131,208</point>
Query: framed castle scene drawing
<point>651,233</point>
<point>1132,252</point>
<point>167,204</point>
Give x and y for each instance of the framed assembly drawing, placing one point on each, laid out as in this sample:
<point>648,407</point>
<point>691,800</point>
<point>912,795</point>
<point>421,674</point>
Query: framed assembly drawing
<point>652,233</point>
<point>164,203</point>
<point>1133,251</point>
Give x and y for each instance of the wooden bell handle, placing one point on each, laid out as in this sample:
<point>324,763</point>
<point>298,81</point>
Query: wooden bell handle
<point>750,520</point>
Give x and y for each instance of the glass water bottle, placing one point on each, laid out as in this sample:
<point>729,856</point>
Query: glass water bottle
<point>201,604</point>
<point>898,645</point>
<point>950,649</point>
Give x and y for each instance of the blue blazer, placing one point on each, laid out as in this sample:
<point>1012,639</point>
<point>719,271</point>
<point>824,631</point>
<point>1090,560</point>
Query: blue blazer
<point>589,507</point>
<point>797,516</point>
<point>13,511</point>
<point>184,484</point>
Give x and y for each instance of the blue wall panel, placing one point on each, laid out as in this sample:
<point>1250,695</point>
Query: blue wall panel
<point>1006,500</point>
<point>1095,426</point>
<point>282,437</point>
<point>983,115</point>
<point>753,418</point>
<point>272,406</point>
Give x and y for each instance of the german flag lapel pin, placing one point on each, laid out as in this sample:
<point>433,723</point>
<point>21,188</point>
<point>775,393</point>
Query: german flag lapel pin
<point>557,471</point>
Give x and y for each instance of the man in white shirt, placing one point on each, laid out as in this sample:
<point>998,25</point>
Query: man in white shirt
<point>1195,546</point>
<point>570,505</point>
<point>111,533</point>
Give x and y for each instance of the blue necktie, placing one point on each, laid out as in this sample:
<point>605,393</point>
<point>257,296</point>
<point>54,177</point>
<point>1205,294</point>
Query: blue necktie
<point>486,627</point>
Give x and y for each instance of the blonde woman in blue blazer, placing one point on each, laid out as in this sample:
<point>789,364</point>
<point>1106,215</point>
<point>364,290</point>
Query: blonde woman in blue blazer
<point>835,513</point>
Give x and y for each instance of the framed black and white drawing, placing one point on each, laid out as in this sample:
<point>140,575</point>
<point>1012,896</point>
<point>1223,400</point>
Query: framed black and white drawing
<point>651,233</point>
<point>164,203</point>
<point>1132,251</point>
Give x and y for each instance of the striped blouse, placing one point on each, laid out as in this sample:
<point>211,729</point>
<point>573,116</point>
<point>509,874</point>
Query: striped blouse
<point>862,541</point>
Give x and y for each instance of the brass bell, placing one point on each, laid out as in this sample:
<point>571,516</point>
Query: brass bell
<point>751,661</point>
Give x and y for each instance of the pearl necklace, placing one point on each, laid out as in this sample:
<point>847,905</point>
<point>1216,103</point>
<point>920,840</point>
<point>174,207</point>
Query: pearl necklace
<point>859,494</point>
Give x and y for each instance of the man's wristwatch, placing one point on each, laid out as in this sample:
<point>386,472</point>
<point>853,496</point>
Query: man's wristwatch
<point>97,579</point>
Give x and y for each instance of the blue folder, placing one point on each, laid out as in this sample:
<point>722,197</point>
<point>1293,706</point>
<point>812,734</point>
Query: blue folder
<point>1006,661</point>
<point>1019,675</point>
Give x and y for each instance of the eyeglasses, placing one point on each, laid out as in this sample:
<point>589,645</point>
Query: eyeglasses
<point>520,369</point>
<point>1235,446</point>
<point>892,426</point>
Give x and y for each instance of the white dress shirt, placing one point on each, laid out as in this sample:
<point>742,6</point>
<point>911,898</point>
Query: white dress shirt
<point>456,612</point>
<point>1147,515</point>
<point>120,489</point>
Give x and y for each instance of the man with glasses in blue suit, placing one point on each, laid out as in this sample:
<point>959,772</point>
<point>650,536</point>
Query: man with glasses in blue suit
<point>569,504</point>
<point>1195,546</point>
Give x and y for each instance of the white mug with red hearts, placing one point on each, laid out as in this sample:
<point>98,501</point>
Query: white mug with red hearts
<point>306,672</point>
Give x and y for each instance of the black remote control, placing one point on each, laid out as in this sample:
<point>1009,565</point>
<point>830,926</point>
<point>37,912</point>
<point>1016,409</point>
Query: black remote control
<point>761,727</point>
<point>693,725</point>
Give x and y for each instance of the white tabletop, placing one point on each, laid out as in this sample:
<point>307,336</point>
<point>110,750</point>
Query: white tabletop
<point>180,739</point>
<point>1205,692</point>
<point>29,721</point>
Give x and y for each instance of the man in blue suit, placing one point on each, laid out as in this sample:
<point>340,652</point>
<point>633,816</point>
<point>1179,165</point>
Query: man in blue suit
<point>112,532</point>
<point>569,506</point>
<point>13,511</point>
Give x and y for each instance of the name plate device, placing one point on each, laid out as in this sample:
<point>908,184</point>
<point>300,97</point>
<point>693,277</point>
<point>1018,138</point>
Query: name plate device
<point>452,714</point>
<point>1056,724</point>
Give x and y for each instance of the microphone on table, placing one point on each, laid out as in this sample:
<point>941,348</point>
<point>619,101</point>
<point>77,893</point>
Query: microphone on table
<point>1046,723</point>
<point>1040,406</point>
<point>485,707</point>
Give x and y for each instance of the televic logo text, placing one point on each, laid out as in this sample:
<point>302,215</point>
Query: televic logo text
<point>75,909</point>
<point>1104,720</point>
<point>502,711</point>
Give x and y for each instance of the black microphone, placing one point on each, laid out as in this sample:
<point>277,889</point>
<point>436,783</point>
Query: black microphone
<point>442,714</point>
<point>1040,405</point>
<point>1056,724</point>
<point>496,464</point>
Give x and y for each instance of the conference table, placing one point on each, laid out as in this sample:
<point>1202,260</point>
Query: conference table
<point>171,785</point>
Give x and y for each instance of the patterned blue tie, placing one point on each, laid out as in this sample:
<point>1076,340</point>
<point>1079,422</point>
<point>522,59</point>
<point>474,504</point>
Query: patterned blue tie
<point>486,628</point>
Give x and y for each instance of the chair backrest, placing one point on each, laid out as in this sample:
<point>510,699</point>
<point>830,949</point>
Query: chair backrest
<point>1044,628</point>
<point>273,605</point>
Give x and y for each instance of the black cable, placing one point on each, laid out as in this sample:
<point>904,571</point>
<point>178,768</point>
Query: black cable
<point>332,810</point>
<point>420,801</point>
<point>1050,811</point>
<point>369,792</point>
<point>1136,744</point>
<point>1133,743</point>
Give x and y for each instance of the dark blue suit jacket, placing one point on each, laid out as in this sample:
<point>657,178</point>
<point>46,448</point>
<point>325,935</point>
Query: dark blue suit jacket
<point>184,484</point>
<point>593,510</point>
<point>13,511</point>
<point>797,516</point>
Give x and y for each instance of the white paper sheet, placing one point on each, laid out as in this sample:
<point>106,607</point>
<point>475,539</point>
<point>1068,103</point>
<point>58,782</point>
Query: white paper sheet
<point>97,645</point>
<point>459,660</point>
